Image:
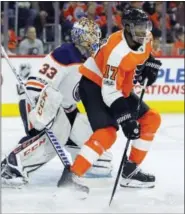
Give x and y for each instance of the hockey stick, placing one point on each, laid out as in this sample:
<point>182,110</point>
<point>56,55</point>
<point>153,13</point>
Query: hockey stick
<point>128,143</point>
<point>56,145</point>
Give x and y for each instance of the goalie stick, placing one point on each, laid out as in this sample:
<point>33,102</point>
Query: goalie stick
<point>127,145</point>
<point>53,140</point>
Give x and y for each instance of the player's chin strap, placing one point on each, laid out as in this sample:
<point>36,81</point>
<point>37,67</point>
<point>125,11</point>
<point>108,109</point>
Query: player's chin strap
<point>56,145</point>
<point>128,142</point>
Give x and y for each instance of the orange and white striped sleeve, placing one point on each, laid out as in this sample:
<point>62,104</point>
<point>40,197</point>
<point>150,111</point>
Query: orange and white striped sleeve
<point>103,68</point>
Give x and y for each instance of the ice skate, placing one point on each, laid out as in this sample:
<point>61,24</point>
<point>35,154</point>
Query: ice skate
<point>73,183</point>
<point>11,175</point>
<point>132,176</point>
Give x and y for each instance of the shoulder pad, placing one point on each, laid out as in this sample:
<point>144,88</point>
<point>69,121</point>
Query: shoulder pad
<point>61,55</point>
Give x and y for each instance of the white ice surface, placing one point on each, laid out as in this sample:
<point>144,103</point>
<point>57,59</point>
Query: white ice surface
<point>165,160</point>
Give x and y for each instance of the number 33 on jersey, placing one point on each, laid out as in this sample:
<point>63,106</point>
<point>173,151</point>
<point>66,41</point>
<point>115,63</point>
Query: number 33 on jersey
<point>60,69</point>
<point>49,71</point>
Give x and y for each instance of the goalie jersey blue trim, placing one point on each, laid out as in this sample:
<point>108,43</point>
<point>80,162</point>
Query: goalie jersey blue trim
<point>65,62</point>
<point>67,54</point>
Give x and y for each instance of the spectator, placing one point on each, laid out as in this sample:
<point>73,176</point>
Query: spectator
<point>180,14</point>
<point>31,45</point>
<point>24,14</point>
<point>173,9</point>
<point>12,39</point>
<point>116,17</point>
<point>156,19</point>
<point>157,51</point>
<point>100,18</point>
<point>70,13</point>
<point>44,15</point>
<point>12,43</point>
<point>73,11</point>
<point>98,12</point>
<point>179,46</point>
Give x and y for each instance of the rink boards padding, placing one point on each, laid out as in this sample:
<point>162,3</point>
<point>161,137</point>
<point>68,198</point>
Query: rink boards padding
<point>12,110</point>
<point>166,95</point>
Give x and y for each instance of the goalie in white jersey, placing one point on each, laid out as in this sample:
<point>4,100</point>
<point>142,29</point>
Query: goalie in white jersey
<point>54,89</point>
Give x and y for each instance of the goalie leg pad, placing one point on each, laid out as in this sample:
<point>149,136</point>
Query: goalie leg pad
<point>102,168</point>
<point>27,157</point>
<point>40,150</point>
<point>81,130</point>
<point>33,152</point>
<point>61,127</point>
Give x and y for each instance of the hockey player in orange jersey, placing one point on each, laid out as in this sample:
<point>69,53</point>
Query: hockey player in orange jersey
<point>106,90</point>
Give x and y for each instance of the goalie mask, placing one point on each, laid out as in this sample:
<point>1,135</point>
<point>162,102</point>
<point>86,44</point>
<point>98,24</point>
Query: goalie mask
<point>86,35</point>
<point>139,25</point>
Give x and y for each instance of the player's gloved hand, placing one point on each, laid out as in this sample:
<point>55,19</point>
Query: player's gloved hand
<point>130,127</point>
<point>24,70</point>
<point>149,70</point>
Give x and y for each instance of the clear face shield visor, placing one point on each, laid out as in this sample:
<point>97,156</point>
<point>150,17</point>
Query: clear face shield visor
<point>140,31</point>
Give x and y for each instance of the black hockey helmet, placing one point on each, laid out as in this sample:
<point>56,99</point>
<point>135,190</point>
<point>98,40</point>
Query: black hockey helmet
<point>139,24</point>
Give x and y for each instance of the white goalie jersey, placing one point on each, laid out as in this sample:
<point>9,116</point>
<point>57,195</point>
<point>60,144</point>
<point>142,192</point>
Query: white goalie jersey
<point>59,69</point>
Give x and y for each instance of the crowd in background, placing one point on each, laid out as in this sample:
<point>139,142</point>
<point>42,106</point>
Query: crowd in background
<point>34,38</point>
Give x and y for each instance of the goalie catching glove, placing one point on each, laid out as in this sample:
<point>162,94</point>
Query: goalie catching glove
<point>46,108</point>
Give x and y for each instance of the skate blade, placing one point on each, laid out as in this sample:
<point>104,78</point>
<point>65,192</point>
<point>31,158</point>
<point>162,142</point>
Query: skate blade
<point>100,182</point>
<point>92,175</point>
<point>129,183</point>
<point>74,194</point>
<point>13,183</point>
<point>4,186</point>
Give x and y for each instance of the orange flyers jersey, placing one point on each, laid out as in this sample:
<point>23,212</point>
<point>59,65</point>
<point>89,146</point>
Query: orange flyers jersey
<point>113,66</point>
